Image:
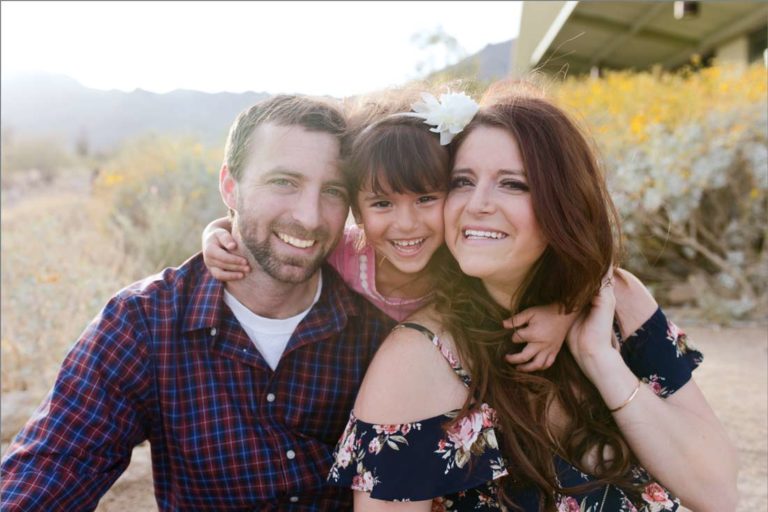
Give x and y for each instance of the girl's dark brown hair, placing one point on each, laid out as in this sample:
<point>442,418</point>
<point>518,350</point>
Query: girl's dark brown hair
<point>393,151</point>
<point>579,221</point>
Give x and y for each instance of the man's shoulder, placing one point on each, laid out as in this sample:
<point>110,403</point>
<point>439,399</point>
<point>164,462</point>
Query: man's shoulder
<point>172,285</point>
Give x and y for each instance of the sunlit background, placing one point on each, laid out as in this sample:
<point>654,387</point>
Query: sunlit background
<point>333,48</point>
<point>114,116</point>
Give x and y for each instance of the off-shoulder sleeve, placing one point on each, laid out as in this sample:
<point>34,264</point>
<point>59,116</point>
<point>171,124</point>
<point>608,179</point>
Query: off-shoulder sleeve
<point>661,355</point>
<point>420,460</point>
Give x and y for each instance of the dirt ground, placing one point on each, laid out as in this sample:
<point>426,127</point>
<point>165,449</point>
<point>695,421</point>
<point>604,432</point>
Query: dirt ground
<point>734,377</point>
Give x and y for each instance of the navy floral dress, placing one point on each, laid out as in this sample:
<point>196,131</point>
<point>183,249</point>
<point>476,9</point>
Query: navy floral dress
<point>457,466</point>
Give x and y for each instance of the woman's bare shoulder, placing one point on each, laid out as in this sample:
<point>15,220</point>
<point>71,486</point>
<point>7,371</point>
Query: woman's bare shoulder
<point>634,303</point>
<point>409,379</point>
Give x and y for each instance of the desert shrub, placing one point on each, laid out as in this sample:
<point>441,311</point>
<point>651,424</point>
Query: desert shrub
<point>687,161</point>
<point>65,252</point>
<point>160,193</point>
<point>39,156</point>
<point>58,271</point>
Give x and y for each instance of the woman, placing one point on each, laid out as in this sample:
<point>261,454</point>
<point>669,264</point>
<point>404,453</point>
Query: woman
<point>529,222</point>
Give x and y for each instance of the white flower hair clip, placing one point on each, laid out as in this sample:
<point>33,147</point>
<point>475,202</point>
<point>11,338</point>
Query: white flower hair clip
<point>449,115</point>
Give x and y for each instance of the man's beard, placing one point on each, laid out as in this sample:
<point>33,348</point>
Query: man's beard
<point>283,268</point>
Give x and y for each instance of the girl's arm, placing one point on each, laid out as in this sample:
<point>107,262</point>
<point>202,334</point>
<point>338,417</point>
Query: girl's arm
<point>543,329</point>
<point>678,439</point>
<point>220,252</point>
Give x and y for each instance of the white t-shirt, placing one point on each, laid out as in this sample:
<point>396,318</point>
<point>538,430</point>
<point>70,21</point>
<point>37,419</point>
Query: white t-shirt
<point>270,335</point>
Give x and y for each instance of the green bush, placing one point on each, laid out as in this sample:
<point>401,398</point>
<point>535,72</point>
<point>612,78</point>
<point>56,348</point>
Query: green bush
<point>161,193</point>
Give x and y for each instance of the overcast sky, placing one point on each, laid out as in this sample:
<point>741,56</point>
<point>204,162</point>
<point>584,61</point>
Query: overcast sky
<point>335,48</point>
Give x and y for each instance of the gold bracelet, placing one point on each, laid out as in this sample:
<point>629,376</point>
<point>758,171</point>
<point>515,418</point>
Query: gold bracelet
<point>631,397</point>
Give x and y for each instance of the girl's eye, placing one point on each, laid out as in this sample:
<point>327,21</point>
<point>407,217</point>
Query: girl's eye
<point>381,204</point>
<point>426,199</point>
<point>459,182</point>
<point>515,185</point>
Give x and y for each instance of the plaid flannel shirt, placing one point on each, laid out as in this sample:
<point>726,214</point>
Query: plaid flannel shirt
<point>167,361</point>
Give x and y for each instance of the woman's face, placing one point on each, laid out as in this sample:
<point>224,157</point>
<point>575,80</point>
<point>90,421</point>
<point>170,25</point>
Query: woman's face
<point>490,227</point>
<point>406,228</point>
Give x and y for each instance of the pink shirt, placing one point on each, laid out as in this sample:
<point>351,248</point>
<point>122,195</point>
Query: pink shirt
<point>357,267</point>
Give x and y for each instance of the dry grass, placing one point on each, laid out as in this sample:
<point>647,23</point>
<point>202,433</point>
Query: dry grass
<point>58,270</point>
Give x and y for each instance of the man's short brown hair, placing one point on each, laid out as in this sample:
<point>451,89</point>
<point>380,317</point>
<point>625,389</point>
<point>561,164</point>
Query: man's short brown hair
<point>314,114</point>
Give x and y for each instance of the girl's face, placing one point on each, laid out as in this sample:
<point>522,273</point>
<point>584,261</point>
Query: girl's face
<point>406,229</point>
<point>490,227</point>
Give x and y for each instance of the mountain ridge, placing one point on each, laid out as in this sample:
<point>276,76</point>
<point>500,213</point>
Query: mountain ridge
<point>58,107</point>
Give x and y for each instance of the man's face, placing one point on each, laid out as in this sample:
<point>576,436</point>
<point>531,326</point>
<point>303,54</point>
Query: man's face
<point>290,203</point>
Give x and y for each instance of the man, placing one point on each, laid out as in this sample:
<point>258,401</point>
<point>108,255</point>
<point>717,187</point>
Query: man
<point>242,389</point>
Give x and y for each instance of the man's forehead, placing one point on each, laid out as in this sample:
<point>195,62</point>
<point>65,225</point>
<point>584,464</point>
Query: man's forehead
<point>275,137</point>
<point>294,149</point>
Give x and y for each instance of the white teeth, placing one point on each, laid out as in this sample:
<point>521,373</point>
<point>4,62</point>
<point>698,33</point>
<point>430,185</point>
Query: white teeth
<point>407,243</point>
<point>475,233</point>
<point>296,242</point>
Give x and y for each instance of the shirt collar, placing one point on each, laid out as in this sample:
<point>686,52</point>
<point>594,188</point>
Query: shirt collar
<point>206,307</point>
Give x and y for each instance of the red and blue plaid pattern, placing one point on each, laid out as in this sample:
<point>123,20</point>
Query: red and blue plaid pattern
<point>167,361</point>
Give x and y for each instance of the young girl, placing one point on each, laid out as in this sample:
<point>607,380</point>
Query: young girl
<point>397,172</point>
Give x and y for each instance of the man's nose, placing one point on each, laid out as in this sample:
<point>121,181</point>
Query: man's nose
<point>306,210</point>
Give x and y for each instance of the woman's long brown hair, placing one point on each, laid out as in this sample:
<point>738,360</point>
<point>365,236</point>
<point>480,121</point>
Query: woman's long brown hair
<point>579,221</point>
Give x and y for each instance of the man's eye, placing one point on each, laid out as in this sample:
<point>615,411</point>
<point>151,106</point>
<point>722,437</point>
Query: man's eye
<point>281,182</point>
<point>336,192</point>
<point>459,182</point>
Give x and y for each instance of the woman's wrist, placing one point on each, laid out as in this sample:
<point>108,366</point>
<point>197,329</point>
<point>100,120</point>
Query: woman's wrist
<point>613,379</point>
<point>601,363</point>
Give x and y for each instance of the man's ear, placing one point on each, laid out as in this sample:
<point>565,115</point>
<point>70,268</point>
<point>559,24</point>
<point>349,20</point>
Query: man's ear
<point>228,187</point>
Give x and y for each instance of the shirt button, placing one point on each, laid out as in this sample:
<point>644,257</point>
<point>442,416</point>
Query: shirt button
<point>294,499</point>
<point>213,332</point>
<point>290,454</point>
<point>271,397</point>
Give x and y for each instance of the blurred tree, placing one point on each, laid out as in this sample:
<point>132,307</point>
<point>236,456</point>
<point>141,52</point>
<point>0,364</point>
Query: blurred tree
<point>440,50</point>
<point>81,144</point>
<point>445,61</point>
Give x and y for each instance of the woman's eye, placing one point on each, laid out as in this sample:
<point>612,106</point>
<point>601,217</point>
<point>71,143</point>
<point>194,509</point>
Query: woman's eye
<point>459,182</point>
<point>515,185</point>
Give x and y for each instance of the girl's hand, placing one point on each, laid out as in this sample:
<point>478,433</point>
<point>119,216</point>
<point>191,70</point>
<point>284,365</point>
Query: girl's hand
<point>544,329</point>
<point>590,339</point>
<point>220,253</point>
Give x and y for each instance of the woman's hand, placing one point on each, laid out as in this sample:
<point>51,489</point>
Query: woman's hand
<point>590,338</point>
